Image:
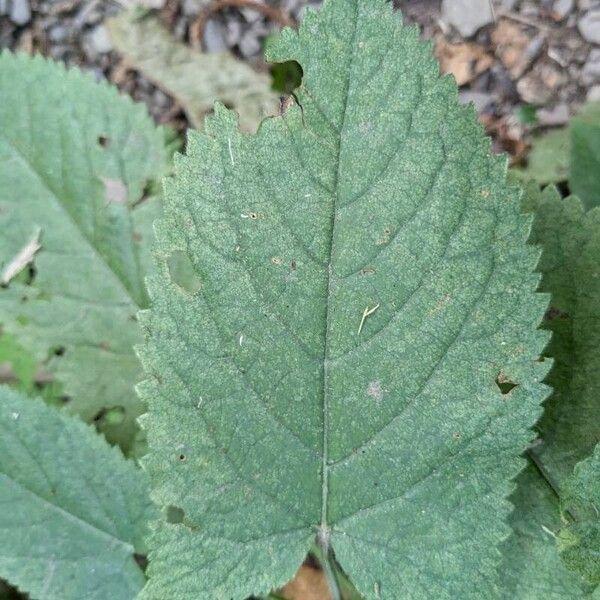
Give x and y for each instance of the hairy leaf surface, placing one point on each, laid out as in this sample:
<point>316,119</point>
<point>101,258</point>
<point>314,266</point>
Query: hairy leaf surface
<point>570,264</point>
<point>74,511</point>
<point>75,158</point>
<point>579,542</point>
<point>358,358</point>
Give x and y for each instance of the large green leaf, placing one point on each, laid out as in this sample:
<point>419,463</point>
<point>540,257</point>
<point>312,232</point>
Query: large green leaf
<point>570,264</point>
<point>75,159</point>
<point>584,178</point>
<point>580,540</point>
<point>74,511</point>
<point>358,359</point>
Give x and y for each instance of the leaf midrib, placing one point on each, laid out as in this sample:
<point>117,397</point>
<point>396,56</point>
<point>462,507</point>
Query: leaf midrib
<point>30,167</point>
<point>324,529</point>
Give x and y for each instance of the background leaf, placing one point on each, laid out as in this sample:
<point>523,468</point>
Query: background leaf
<point>74,511</point>
<point>365,293</point>
<point>570,265</point>
<point>584,179</point>
<point>532,568</point>
<point>580,540</point>
<point>570,424</point>
<point>548,159</point>
<point>75,159</point>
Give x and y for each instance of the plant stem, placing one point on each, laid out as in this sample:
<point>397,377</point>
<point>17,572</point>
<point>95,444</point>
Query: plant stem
<point>326,560</point>
<point>332,581</point>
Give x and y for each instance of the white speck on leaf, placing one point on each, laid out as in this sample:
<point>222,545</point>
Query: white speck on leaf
<point>115,191</point>
<point>22,259</point>
<point>548,531</point>
<point>230,152</point>
<point>375,390</point>
<point>366,314</point>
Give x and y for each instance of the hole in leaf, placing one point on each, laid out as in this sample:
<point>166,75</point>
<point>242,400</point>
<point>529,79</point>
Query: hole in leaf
<point>181,457</point>
<point>113,415</point>
<point>287,76</point>
<point>553,314</point>
<point>59,351</point>
<point>103,141</point>
<point>505,385</point>
<point>174,514</point>
<point>182,272</point>
<point>30,274</point>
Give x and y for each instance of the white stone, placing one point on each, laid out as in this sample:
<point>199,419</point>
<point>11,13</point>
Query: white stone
<point>563,7</point>
<point>20,12</point>
<point>100,40</point>
<point>467,16</point>
<point>589,26</point>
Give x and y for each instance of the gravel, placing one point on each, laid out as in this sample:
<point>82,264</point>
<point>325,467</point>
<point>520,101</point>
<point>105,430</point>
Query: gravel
<point>556,67</point>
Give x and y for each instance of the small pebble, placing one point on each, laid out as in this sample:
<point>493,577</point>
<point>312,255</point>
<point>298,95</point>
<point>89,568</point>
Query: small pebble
<point>480,100</point>
<point>591,70</point>
<point>214,36</point>
<point>100,40</point>
<point>586,4</point>
<point>233,32</point>
<point>160,99</point>
<point>249,45</point>
<point>58,34</point>
<point>467,16</point>
<point>593,94</point>
<point>589,26</point>
<point>561,8</point>
<point>251,15</point>
<point>20,12</point>
<point>508,4</point>
<point>191,8</point>
<point>552,117</point>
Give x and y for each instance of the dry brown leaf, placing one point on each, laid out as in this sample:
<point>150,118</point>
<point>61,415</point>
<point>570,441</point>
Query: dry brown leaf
<point>308,584</point>
<point>195,79</point>
<point>465,60</point>
<point>511,43</point>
